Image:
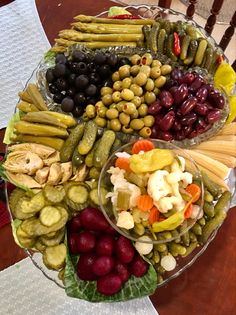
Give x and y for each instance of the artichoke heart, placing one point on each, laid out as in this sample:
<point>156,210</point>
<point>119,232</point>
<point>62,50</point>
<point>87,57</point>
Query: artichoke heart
<point>22,180</point>
<point>23,162</point>
<point>66,169</point>
<point>43,151</point>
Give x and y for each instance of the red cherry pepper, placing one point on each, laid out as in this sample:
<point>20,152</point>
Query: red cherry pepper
<point>176,48</point>
<point>124,17</point>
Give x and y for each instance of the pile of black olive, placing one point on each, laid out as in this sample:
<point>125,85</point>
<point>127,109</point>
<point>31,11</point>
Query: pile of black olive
<point>75,81</point>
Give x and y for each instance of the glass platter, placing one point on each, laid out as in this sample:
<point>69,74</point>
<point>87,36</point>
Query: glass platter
<point>143,11</point>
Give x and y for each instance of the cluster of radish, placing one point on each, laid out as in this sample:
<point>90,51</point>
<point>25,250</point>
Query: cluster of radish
<point>105,256</point>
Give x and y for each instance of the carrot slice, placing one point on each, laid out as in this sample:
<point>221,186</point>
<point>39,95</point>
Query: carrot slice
<point>188,211</point>
<point>153,215</point>
<point>122,163</point>
<point>144,202</point>
<point>195,191</point>
<point>142,145</point>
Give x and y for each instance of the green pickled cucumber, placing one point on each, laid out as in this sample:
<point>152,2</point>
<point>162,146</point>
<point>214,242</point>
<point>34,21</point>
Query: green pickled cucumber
<point>94,196</point>
<point>184,46</point>
<point>89,156</point>
<point>193,46</point>
<point>77,158</point>
<point>169,47</point>
<point>101,154</point>
<point>161,41</point>
<point>117,143</point>
<point>77,195</point>
<point>71,142</point>
<point>89,137</point>
<point>54,194</point>
<point>209,56</point>
<point>200,52</point>
<point>223,201</point>
<point>147,32</point>
<point>154,35</point>
<point>16,198</point>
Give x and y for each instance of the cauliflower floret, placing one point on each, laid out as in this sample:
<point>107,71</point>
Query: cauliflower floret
<point>167,203</point>
<point>123,154</point>
<point>182,162</point>
<point>125,220</point>
<point>186,178</point>
<point>157,186</point>
<point>120,183</point>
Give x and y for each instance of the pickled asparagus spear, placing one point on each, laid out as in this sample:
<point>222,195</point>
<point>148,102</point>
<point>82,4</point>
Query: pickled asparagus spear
<point>39,129</point>
<point>58,49</point>
<point>77,36</point>
<point>27,107</point>
<point>92,45</point>
<point>36,97</point>
<point>99,28</point>
<point>43,118</point>
<point>89,19</point>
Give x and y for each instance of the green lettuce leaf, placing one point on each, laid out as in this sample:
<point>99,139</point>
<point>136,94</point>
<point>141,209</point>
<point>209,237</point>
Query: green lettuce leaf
<point>10,128</point>
<point>49,57</point>
<point>86,290</point>
<point>113,11</point>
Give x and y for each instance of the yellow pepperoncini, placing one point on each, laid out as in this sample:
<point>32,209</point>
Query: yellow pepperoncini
<point>151,161</point>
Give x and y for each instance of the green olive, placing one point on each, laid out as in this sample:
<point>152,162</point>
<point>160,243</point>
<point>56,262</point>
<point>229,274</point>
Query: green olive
<point>113,105</point>
<point>120,106</point>
<point>137,90</point>
<point>127,129</point>
<point>129,108</point>
<point>124,71</point>
<point>127,94</point>
<point>115,76</point>
<point>136,124</point>
<point>124,119</point>
<point>159,82</point>
<point>117,85</point>
<point>166,69</point>
<point>145,69</point>
<point>85,117</point>
<point>126,83</point>
<point>149,97</point>
<point>134,115</point>
<point>102,112</point>
<point>115,124</point>
<point>137,101</point>
<point>145,132</point>
<point>116,97</point>
<point>99,105</point>
<point>142,99</point>
<point>107,99</point>
<point>106,90</point>
<point>155,72</point>
<point>101,122</point>
<point>90,111</point>
<point>134,70</point>
<point>146,59</point>
<point>149,86</point>
<point>112,113</point>
<point>148,120</point>
<point>140,79</point>
<point>156,91</point>
<point>135,59</point>
<point>143,110</point>
<point>156,63</point>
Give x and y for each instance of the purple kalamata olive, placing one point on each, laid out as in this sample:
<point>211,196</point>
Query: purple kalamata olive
<point>173,89</point>
<point>166,99</point>
<point>167,121</point>
<point>188,119</point>
<point>208,86</point>
<point>193,134</point>
<point>170,83</point>
<point>180,135</point>
<point>158,119</point>
<point>176,74</point>
<point>176,125</point>
<point>201,122</point>
<point>181,93</point>
<point>155,131</point>
<point>201,109</point>
<point>213,116</point>
<point>201,94</point>
<point>188,105</point>
<point>154,108</point>
<point>196,84</point>
<point>165,135</point>
<point>187,130</point>
<point>216,99</point>
<point>188,78</point>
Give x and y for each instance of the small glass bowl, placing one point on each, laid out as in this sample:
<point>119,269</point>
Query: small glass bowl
<point>156,238</point>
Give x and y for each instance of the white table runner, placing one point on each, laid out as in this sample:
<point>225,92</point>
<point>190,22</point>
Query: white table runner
<point>22,45</point>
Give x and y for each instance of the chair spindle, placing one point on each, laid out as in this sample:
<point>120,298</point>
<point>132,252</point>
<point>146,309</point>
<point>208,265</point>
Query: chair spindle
<point>191,9</point>
<point>229,32</point>
<point>211,21</point>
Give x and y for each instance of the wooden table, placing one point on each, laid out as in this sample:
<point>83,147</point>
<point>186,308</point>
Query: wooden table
<point>206,288</point>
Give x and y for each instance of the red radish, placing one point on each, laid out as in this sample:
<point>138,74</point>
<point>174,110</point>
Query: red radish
<point>72,243</point>
<point>93,219</point>
<point>109,284</point>
<point>74,225</point>
<point>105,245</point>
<point>85,242</point>
<point>138,266</point>
<point>84,267</point>
<point>124,250</point>
<point>103,265</point>
<point>122,271</point>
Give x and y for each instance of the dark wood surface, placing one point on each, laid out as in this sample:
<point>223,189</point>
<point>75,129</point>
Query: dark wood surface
<point>208,287</point>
